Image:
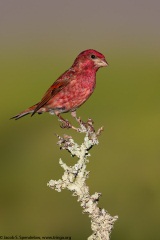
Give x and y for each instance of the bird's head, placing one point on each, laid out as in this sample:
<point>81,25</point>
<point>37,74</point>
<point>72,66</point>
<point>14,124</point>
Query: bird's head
<point>90,59</point>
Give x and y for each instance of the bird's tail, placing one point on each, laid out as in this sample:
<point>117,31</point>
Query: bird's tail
<point>25,112</point>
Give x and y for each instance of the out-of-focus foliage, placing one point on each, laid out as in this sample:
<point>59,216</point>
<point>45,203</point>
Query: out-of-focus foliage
<point>124,167</point>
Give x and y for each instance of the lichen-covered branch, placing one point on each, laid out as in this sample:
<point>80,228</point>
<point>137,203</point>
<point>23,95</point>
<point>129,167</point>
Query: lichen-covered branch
<point>74,179</point>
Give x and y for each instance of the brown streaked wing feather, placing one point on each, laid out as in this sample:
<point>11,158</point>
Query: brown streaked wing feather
<point>57,86</point>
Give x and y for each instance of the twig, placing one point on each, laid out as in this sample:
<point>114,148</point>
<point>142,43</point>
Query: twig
<point>74,179</point>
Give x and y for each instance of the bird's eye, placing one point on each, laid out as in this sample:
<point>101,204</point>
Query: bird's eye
<point>93,56</point>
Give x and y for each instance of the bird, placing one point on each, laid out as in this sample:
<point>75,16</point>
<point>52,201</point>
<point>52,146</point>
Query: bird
<point>71,89</point>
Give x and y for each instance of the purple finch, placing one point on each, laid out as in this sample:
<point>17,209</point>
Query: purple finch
<point>72,88</point>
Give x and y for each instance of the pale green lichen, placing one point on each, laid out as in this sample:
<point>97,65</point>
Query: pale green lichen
<point>74,179</point>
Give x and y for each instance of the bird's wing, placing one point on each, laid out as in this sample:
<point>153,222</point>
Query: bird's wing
<point>57,86</point>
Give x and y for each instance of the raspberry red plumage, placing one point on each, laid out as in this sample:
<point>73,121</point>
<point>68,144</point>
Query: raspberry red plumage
<point>72,88</point>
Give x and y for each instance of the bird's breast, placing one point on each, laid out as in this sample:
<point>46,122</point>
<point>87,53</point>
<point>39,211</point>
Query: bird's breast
<point>73,95</point>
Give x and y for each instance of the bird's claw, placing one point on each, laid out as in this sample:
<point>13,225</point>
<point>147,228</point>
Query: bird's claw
<point>84,126</point>
<point>65,124</point>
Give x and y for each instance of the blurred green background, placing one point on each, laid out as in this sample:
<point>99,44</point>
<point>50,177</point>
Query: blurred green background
<point>38,41</point>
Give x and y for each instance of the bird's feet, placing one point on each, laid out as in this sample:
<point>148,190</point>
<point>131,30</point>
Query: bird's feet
<point>84,126</point>
<point>66,124</point>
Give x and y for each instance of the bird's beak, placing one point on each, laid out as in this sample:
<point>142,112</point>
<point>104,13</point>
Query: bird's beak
<point>101,62</point>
